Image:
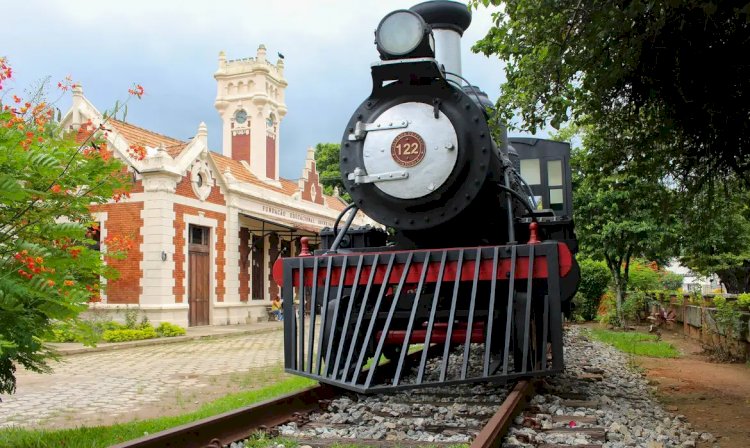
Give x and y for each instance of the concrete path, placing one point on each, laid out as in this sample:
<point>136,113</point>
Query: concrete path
<point>100,385</point>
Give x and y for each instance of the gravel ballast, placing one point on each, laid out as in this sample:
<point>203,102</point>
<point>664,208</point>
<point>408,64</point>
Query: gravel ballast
<point>600,400</point>
<point>612,391</point>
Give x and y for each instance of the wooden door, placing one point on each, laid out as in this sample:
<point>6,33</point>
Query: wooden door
<point>199,275</point>
<point>256,276</point>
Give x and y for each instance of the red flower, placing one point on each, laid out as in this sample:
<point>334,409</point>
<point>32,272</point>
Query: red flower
<point>136,91</point>
<point>56,188</point>
<point>137,152</point>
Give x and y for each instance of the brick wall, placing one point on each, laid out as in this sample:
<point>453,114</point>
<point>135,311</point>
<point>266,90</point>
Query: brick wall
<point>217,238</point>
<point>270,157</point>
<point>124,220</point>
<point>312,180</point>
<point>136,187</point>
<point>241,147</point>
<point>184,188</point>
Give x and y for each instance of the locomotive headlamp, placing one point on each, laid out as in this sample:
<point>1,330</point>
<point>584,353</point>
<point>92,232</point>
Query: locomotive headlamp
<point>404,34</point>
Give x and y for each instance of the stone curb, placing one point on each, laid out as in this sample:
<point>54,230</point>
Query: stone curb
<point>106,347</point>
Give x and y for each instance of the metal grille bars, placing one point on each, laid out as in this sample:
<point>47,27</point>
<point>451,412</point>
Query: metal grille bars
<point>481,314</point>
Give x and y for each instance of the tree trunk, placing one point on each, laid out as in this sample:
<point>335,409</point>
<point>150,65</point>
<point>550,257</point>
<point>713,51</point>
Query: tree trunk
<point>736,280</point>
<point>614,266</point>
<point>619,297</point>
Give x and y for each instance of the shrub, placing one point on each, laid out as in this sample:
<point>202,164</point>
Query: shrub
<point>49,180</point>
<point>595,277</point>
<point>607,311</point>
<point>167,330</point>
<point>642,277</point>
<point>634,306</point>
<point>743,300</point>
<point>670,281</point>
<point>129,335</point>
<point>83,331</point>
<point>110,325</point>
<point>63,332</point>
<point>131,318</point>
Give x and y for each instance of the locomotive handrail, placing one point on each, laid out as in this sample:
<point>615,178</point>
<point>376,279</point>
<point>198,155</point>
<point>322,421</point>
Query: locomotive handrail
<point>340,235</point>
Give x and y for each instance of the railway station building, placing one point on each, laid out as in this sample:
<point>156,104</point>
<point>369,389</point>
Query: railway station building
<point>206,226</point>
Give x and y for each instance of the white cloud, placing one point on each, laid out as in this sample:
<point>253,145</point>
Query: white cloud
<point>171,48</point>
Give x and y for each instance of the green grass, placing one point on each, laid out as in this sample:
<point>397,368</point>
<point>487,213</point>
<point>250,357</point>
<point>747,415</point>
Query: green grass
<point>102,436</point>
<point>640,344</point>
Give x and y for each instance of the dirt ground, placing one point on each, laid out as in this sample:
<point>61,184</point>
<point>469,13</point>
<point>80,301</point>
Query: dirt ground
<point>714,397</point>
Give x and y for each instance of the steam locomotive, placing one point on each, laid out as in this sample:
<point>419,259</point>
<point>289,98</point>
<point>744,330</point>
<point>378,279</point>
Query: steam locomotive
<point>471,279</point>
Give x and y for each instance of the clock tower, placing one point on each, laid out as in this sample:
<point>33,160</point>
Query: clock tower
<point>250,101</point>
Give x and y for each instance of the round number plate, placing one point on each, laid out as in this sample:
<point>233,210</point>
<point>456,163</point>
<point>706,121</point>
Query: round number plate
<point>408,149</point>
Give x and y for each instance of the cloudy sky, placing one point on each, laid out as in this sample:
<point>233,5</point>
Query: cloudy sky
<point>171,48</point>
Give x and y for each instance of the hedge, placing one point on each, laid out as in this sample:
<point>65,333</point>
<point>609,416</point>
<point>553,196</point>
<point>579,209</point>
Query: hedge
<point>129,335</point>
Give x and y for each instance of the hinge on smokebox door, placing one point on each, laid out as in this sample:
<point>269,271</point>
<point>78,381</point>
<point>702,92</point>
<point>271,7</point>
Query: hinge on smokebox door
<point>361,129</point>
<point>360,177</point>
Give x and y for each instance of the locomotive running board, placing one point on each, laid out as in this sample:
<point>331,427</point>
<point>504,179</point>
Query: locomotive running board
<point>483,314</point>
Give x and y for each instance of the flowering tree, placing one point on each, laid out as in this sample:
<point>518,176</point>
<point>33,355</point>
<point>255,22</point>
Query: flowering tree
<point>50,266</point>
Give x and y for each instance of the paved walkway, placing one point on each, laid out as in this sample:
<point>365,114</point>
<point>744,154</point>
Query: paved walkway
<point>84,387</point>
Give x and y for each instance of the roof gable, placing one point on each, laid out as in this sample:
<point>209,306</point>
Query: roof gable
<point>241,173</point>
<point>136,135</point>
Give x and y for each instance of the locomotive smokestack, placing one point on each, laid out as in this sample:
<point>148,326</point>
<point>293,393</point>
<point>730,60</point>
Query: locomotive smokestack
<point>449,20</point>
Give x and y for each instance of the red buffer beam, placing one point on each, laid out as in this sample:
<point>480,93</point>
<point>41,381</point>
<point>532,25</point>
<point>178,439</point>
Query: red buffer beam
<point>451,267</point>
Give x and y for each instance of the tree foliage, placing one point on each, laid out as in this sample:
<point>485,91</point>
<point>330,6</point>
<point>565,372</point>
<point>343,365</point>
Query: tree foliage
<point>327,162</point>
<point>620,214</point>
<point>595,278</point>
<point>48,268</point>
<point>715,234</point>
<point>671,71</point>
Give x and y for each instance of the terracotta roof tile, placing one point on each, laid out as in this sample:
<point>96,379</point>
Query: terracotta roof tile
<point>334,203</point>
<point>238,171</point>
<point>138,136</point>
<point>242,174</point>
<point>289,186</point>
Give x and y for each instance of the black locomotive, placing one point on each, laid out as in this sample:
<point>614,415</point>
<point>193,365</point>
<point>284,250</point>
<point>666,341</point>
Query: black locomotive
<point>477,266</point>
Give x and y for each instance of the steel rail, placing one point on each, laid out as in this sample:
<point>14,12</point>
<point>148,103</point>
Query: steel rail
<point>223,429</point>
<point>231,426</point>
<point>491,436</point>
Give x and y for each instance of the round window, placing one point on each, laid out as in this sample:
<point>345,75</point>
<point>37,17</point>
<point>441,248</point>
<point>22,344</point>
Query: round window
<point>199,180</point>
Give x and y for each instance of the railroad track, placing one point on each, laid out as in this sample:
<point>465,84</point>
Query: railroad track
<point>301,408</point>
<point>322,415</point>
<point>596,401</point>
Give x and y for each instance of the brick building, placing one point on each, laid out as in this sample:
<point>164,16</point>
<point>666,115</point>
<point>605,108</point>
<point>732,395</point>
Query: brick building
<point>209,226</point>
